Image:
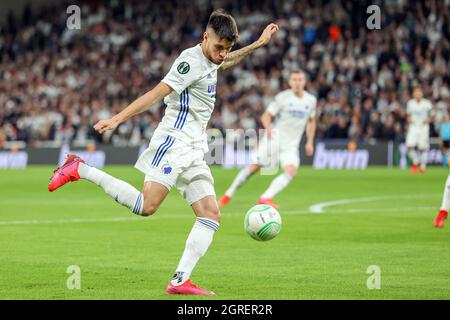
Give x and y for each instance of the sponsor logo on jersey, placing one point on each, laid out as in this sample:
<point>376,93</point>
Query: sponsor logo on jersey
<point>297,113</point>
<point>183,67</point>
<point>212,88</point>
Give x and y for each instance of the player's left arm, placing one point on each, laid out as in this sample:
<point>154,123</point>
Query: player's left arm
<point>408,113</point>
<point>234,57</point>
<point>431,115</point>
<point>311,129</point>
<point>310,133</point>
<point>266,121</point>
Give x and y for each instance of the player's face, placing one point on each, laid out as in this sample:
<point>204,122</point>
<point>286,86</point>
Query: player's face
<point>216,48</point>
<point>417,93</point>
<point>297,82</point>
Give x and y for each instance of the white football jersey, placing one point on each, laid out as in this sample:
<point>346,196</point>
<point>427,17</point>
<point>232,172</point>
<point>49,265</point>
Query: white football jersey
<point>291,115</point>
<point>419,111</point>
<point>193,77</point>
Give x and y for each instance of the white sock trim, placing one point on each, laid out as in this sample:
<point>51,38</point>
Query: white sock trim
<point>121,191</point>
<point>288,176</point>
<point>139,205</point>
<point>209,223</point>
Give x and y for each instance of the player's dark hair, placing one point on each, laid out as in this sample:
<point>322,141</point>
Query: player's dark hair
<point>224,25</point>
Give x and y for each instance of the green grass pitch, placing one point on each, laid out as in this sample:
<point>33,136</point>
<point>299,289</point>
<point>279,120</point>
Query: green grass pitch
<point>385,220</point>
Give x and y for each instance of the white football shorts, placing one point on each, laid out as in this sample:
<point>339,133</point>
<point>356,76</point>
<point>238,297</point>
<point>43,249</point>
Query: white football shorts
<point>418,137</point>
<point>271,153</point>
<point>171,162</point>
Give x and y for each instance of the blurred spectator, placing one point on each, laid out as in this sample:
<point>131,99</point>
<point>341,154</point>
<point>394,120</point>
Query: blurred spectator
<point>56,83</point>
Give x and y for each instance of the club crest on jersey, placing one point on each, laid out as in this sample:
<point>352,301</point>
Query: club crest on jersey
<point>166,169</point>
<point>183,67</point>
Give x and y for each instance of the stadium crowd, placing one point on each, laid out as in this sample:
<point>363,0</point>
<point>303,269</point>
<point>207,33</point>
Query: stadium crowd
<point>55,83</point>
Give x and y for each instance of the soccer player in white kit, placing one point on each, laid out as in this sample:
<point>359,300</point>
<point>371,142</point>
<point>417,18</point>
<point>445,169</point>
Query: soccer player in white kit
<point>445,205</point>
<point>176,151</point>
<point>291,112</point>
<point>419,118</point>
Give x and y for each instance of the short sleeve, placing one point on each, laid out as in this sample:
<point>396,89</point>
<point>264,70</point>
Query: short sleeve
<point>184,71</point>
<point>275,106</point>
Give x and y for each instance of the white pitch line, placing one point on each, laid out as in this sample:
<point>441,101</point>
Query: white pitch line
<point>320,207</point>
<point>73,220</point>
<point>316,208</point>
<point>361,210</point>
<point>170,217</point>
<point>95,220</point>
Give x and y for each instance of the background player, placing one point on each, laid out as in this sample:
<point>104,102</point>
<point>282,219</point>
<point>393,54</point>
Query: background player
<point>290,112</point>
<point>419,118</point>
<point>443,213</point>
<point>444,134</point>
<point>176,151</point>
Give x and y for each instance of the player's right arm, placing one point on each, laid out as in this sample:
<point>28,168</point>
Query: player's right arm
<point>266,121</point>
<point>184,71</point>
<point>430,112</point>
<point>139,105</point>
<point>311,130</point>
<point>272,110</point>
<point>408,113</point>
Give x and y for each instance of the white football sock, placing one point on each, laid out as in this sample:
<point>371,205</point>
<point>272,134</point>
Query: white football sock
<point>445,198</point>
<point>278,184</point>
<point>119,190</point>
<point>197,244</point>
<point>423,159</point>
<point>413,156</point>
<point>240,179</point>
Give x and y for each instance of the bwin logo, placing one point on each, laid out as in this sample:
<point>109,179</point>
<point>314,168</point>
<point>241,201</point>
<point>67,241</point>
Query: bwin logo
<point>340,159</point>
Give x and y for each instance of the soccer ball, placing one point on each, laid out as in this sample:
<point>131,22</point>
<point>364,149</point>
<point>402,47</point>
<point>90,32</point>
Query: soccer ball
<point>262,222</point>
